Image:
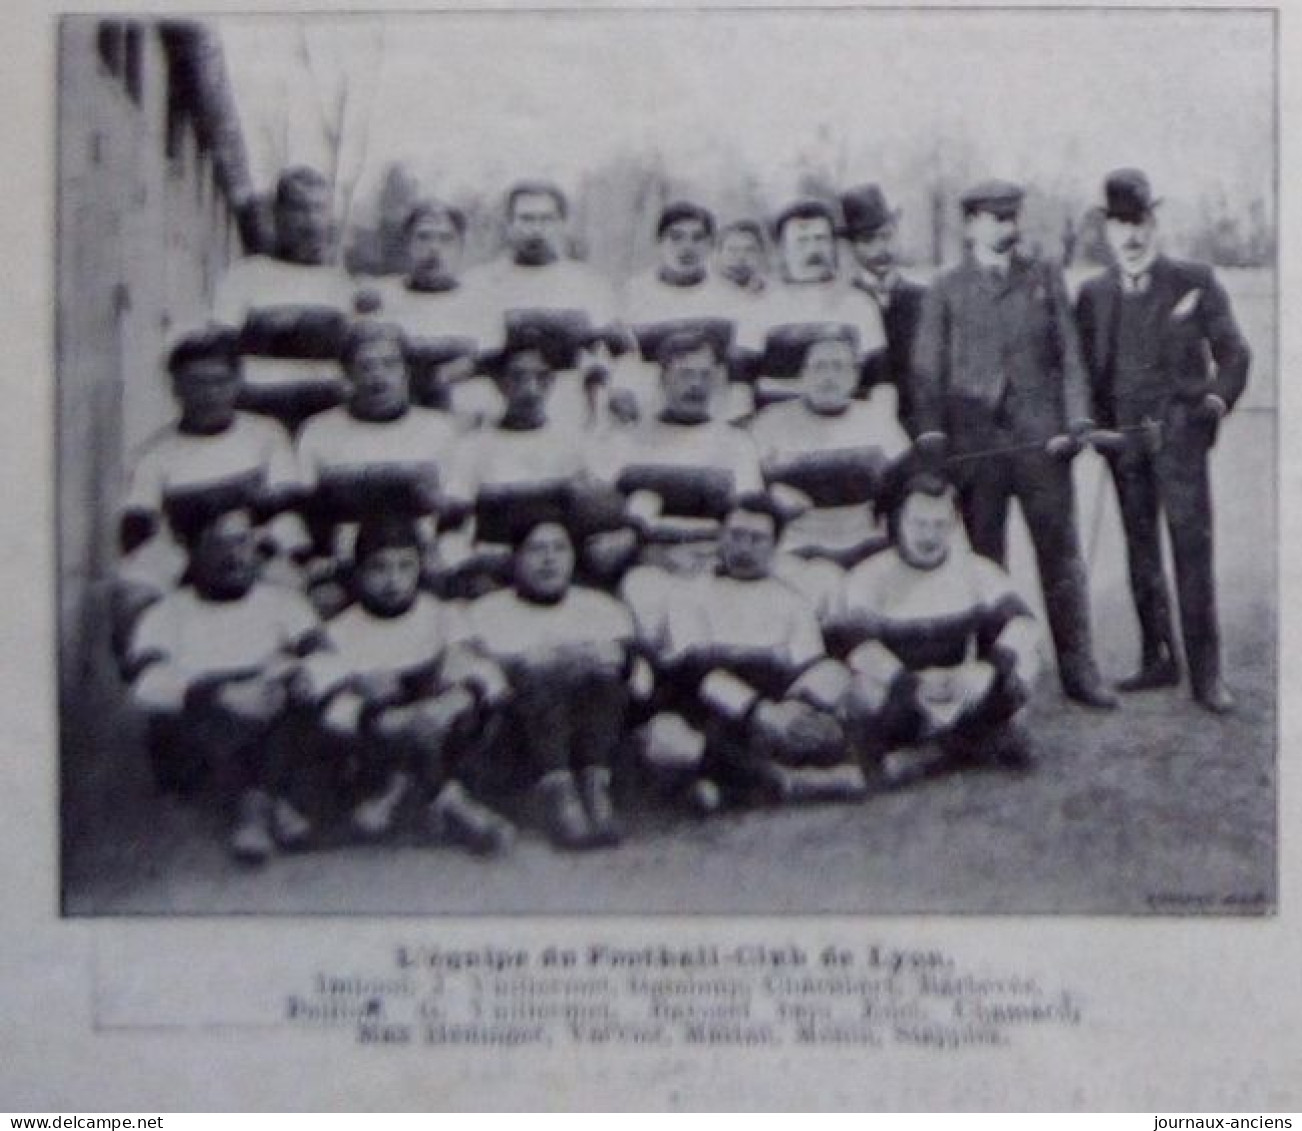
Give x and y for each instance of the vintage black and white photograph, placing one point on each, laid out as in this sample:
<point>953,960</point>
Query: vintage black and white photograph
<point>761,461</point>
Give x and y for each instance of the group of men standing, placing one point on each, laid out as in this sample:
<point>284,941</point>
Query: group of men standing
<point>511,521</point>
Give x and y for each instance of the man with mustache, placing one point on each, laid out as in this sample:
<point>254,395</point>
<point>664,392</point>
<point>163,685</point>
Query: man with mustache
<point>810,290</point>
<point>997,369</point>
<point>536,277</point>
<point>1161,343</point>
<point>869,228</point>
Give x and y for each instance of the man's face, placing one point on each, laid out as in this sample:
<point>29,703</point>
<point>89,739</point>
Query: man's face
<point>303,224</point>
<point>829,376</point>
<point>685,247</point>
<point>689,381</point>
<point>747,544</point>
<point>535,229</point>
<point>525,384</point>
<point>996,232</point>
<point>808,250</point>
<point>544,563</point>
<point>225,558</point>
<point>876,252</point>
<point>926,529</point>
<point>741,258</point>
<point>1131,242</point>
<point>434,248</point>
<point>206,390</point>
<point>388,580</point>
<point>378,373</point>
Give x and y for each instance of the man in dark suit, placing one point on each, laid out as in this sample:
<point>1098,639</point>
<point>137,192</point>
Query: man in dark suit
<point>1161,344</point>
<point>998,383</point>
<point>869,227</point>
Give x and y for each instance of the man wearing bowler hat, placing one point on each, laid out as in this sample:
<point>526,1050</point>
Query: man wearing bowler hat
<point>869,228</point>
<point>1161,344</point>
<point>999,385</point>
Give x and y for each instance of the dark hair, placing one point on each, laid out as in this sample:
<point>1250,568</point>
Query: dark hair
<point>433,210</point>
<point>682,342</point>
<point>218,343</point>
<point>536,188</point>
<point>750,227</point>
<point>191,521</point>
<point>523,524</point>
<point>929,483</point>
<point>762,503</point>
<point>294,182</point>
<point>684,210</point>
<point>804,210</point>
<point>826,332</point>
<point>384,531</point>
<point>365,331</point>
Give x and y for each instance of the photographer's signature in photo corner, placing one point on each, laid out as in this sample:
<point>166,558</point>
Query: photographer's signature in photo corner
<point>1177,902</point>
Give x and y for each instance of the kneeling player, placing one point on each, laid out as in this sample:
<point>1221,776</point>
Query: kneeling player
<point>943,649</point>
<point>216,665</point>
<point>746,666</point>
<point>401,696</point>
<point>568,655</point>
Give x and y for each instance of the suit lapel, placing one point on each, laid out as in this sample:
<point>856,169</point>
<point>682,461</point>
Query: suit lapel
<point>1107,321</point>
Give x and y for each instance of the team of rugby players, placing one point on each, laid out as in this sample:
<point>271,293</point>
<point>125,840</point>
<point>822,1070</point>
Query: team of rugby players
<point>514,544</point>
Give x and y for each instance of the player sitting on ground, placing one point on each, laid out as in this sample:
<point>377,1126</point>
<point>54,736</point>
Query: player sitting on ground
<point>943,649</point>
<point>568,655</point>
<point>401,693</point>
<point>215,665</point>
<point>744,664</point>
<point>210,455</point>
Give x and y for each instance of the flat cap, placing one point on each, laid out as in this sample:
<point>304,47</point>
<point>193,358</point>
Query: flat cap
<point>993,196</point>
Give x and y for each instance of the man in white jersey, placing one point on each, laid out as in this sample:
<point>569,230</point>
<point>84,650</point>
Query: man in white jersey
<point>568,653</point>
<point>378,452</point>
<point>215,666</point>
<point>743,662</point>
<point>809,289</point>
<point>834,455</point>
<point>679,290</point>
<point>211,456</point>
<point>401,695</point>
<point>537,277</point>
<point>679,473</point>
<point>943,649</point>
<point>290,307</point>
<point>429,302</point>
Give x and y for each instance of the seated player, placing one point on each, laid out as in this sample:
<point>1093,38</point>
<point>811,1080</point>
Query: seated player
<point>567,652</point>
<point>521,462</point>
<point>943,649</point>
<point>744,664</point>
<point>401,694</point>
<point>211,454</point>
<point>680,473</point>
<point>215,666</point>
<point>291,307</point>
<point>834,456</point>
<point>379,452</point>
<point>429,302</point>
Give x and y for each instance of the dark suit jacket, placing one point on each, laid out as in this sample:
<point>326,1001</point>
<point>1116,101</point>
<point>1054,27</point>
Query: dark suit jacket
<point>1200,349</point>
<point>892,365</point>
<point>991,355</point>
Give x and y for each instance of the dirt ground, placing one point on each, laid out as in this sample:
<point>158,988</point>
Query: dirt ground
<point>1159,807</point>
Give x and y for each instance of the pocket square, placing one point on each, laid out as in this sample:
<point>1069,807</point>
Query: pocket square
<point>1187,304</point>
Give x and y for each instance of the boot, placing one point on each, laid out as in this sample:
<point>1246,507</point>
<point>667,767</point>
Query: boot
<point>290,828</point>
<point>374,817</point>
<point>594,788</point>
<point>457,817</point>
<point>823,783</point>
<point>1159,668</point>
<point>1012,749</point>
<point>1090,692</point>
<point>251,841</point>
<point>1215,698</point>
<point>908,764</point>
<point>564,816</point>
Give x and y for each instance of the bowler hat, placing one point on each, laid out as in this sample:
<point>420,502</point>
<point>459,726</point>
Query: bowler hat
<point>999,197</point>
<point>1128,196</point>
<point>865,211</point>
